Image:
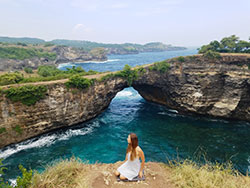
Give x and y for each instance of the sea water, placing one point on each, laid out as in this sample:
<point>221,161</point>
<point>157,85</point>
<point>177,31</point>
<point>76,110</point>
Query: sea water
<point>163,133</point>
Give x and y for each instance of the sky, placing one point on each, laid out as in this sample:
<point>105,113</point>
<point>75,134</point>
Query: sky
<point>176,22</point>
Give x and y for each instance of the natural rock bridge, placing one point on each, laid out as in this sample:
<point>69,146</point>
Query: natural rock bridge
<point>195,84</point>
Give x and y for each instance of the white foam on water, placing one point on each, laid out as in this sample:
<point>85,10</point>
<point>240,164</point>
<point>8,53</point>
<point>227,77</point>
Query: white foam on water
<point>173,111</point>
<point>13,182</point>
<point>46,140</point>
<point>95,62</point>
<point>64,65</point>
<point>43,141</point>
<point>98,62</point>
<point>167,113</point>
<point>124,94</point>
<point>68,134</point>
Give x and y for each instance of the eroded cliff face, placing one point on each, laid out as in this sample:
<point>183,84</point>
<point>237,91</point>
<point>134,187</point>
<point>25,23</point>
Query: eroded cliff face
<point>60,108</point>
<point>218,88</point>
<point>63,55</point>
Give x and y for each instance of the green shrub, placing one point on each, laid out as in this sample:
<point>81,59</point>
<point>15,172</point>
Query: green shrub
<point>25,53</point>
<point>2,130</point>
<point>127,73</point>
<point>27,94</point>
<point>48,70</point>
<point>10,78</point>
<point>75,70</point>
<point>181,59</point>
<point>18,129</point>
<point>28,70</point>
<point>21,44</point>
<point>47,44</point>
<point>161,66</point>
<point>107,76</point>
<point>140,71</point>
<point>25,180</point>
<point>212,55</point>
<point>91,72</point>
<point>2,183</point>
<point>77,81</point>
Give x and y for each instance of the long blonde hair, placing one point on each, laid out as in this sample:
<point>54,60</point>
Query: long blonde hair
<point>131,147</point>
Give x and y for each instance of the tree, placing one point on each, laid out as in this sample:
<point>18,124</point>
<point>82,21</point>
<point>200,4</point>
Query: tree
<point>229,43</point>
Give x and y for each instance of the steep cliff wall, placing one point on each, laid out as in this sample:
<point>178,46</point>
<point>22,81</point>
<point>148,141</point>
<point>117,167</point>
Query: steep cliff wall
<point>214,87</point>
<point>60,107</point>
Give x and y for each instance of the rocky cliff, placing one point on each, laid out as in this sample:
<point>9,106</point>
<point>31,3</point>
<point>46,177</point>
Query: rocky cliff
<point>63,54</point>
<point>214,87</point>
<point>198,85</point>
<point>61,107</point>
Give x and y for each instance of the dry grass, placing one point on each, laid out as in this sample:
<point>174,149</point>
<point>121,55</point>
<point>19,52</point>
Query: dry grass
<point>188,174</point>
<point>73,173</point>
<point>67,173</point>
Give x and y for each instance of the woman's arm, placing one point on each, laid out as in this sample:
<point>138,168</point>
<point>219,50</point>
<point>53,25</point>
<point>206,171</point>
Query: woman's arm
<point>141,154</point>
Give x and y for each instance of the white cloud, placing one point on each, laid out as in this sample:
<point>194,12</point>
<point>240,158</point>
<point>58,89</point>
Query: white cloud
<point>81,28</point>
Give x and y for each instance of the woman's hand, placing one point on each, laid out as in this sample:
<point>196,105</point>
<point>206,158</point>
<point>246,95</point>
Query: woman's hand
<point>140,174</point>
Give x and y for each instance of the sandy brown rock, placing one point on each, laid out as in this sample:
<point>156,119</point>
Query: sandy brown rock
<point>102,176</point>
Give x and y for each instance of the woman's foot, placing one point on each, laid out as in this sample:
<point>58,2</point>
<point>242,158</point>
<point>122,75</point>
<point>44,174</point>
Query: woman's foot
<point>122,177</point>
<point>117,173</point>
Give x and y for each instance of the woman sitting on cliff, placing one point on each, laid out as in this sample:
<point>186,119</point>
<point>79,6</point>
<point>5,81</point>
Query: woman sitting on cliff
<point>132,167</point>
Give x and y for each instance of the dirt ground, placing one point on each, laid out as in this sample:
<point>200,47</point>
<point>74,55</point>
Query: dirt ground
<point>102,176</point>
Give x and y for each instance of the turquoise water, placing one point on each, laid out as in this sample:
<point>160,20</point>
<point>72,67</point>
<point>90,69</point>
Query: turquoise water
<point>163,133</point>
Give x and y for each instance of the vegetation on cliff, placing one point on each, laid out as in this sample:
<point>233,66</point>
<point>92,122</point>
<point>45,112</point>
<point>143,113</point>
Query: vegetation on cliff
<point>161,66</point>
<point>230,44</point>
<point>44,73</point>
<point>19,53</point>
<point>77,81</point>
<point>127,73</point>
<point>132,74</point>
<point>27,94</point>
<point>10,78</point>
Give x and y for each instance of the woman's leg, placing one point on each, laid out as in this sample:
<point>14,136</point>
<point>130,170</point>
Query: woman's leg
<point>122,177</point>
<point>117,173</point>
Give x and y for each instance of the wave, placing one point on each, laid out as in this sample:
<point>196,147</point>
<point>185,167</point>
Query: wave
<point>95,62</point>
<point>98,62</point>
<point>46,140</point>
<point>65,65</point>
<point>173,111</point>
<point>124,94</point>
<point>32,143</point>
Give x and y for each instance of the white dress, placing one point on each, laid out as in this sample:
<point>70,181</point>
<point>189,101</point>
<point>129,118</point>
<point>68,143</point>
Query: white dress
<point>130,169</point>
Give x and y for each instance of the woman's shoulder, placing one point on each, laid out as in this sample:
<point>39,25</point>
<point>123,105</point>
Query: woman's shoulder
<point>138,148</point>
